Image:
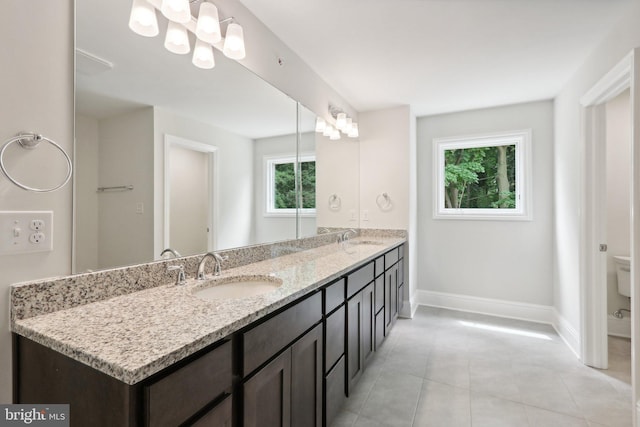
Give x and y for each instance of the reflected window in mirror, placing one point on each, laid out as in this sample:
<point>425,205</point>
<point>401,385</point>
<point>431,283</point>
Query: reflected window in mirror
<point>281,180</point>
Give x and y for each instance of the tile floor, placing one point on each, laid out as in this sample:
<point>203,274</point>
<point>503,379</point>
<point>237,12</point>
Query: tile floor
<point>447,368</point>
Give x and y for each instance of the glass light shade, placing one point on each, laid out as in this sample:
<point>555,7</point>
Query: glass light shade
<point>320,124</point>
<point>203,55</point>
<point>341,120</point>
<point>176,10</point>
<point>348,126</point>
<point>234,42</point>
<point>328,130</point>
<point>354,131</point>
<point>143,19</point>
<point>208,26</point>
<point>177,40</point>
<point>335,135</point>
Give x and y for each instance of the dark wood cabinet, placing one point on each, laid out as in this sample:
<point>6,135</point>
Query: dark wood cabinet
<point>219,416</point>
<point>267,395</point>
<point>295,367</point>
<point>288,390</point>
<point>306,379</point>
<point>360,332</point>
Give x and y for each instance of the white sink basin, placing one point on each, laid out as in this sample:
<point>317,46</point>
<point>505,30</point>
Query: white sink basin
<point>236,287</point>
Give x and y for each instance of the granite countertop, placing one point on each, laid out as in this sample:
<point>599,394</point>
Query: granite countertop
<point>131,337</point>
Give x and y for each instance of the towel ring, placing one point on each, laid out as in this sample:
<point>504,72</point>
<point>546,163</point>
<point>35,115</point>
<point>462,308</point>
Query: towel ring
<point>384,202</point>
<point>30,141</point>
<point>334,202</point>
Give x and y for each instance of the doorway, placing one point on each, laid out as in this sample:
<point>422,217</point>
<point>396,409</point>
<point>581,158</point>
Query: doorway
<point>593,231</point>
<point>189,196</point>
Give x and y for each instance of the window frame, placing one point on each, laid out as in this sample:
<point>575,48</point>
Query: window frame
<point>522,140</point>
<point>269,172</point>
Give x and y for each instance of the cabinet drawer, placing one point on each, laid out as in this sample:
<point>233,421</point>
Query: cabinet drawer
<point>359,279</point>
<point>178,396</point>
<point>335,328</point>
<point>379,293</point>
<point>390,258</point>
<point>401,251</point>
<point>334,296</point>
<point>219,416</point>
<point>268,338</point>
<point>379,262</point>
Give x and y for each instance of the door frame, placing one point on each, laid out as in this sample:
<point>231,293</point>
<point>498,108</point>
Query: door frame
<point>593,296</point>
<point>212,217</point>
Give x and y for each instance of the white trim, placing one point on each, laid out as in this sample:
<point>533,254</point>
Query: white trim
<point>503,308</point>
<point>490,306</point>
<point>524,182</point>
<point>593,310</point>
<point>268,163</point>
<point>212,152</point>
<point>567,332</point>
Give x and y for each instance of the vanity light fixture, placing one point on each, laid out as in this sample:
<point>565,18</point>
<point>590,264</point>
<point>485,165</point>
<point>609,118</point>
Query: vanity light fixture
<point>176,10</point>
<point>176,40</point>
<point>344,124</point>
<point>143,21</point>
<point>234,42</point>
<point>320,124</point>
<point>208,26</point>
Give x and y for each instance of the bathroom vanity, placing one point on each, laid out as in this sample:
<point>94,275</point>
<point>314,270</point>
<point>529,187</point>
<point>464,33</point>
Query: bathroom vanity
<point>162,356</point>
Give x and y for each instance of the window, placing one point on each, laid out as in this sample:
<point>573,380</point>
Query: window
<point>483,177</point>
<point>281,176</point>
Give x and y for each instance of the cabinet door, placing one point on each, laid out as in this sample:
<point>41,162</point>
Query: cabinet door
<point>335,386</point>
<point>368,321</point>
<point>306,379</point>
<point>334,331</point>
<point>355,357</point>
<point>391,288</point>
<point>267,395</point>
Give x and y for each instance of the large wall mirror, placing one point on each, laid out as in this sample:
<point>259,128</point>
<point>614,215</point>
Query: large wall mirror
<point>172,156</point>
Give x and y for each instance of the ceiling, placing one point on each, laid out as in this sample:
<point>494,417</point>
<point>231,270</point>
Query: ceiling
<point>441,55</point>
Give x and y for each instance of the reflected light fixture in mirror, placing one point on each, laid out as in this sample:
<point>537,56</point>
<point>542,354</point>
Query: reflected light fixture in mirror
<point>143,21</point>
<point>176,10</point>
<point>344,124</point>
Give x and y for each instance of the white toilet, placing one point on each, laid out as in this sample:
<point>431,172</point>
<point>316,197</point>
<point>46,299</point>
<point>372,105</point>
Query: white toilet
<point>623,271</point>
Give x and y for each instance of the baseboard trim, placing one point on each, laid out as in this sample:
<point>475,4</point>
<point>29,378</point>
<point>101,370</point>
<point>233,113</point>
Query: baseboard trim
<point>567,332</point>
<point>502,308</point>
<point>618,327</point>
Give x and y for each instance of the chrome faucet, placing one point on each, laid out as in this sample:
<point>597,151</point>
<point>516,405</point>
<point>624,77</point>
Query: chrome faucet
<point>217,267</point>
<point>344,237</point>
<point>170,252</point>
<point>180,278</point>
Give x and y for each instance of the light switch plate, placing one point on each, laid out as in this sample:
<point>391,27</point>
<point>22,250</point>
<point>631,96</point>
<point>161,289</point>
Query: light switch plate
<point>26,231</point>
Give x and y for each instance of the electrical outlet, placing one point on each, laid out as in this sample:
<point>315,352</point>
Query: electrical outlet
<point>37,237</point>
<point>37,224</point>
<point>26,231</point>
<point>365,215</point>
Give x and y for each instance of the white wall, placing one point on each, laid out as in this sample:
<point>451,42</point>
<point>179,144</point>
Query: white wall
<point>276,228</point>
<point>567,162</point>
<point>36,76</point>
<point>235,175</point>
<point>86,197</point>
<point>618,113</point>
<point>337,172</point>
<point>385,137</point>
<point>503,260</point>
<point>126,144</point>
